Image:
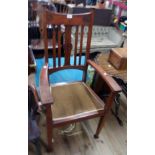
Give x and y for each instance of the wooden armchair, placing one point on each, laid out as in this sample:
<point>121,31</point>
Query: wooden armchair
<point>71,102</point>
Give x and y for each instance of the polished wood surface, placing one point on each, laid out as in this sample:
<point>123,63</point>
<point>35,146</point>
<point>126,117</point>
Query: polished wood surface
<point>73,102</point>
<point>102,61</point>
<point>69,22</point>
<point>45,91</point>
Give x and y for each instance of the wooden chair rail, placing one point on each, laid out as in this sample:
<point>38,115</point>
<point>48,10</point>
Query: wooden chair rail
<point>60,18</point>
<point>45,90</point>
<point>79,67</point>
<point>58,123</point>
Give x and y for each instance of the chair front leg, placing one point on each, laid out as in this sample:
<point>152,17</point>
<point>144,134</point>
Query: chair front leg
<point>99,127</point>
<point>49,128</point>
<point>108,106</point>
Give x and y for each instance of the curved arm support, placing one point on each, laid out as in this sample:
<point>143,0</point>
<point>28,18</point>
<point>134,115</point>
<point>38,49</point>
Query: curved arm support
<point>45,91</point>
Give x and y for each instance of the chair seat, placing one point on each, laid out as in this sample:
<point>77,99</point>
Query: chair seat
<point>74,100</point>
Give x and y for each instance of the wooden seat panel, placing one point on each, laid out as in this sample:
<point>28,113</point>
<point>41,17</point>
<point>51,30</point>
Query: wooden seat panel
<point>74,99</point>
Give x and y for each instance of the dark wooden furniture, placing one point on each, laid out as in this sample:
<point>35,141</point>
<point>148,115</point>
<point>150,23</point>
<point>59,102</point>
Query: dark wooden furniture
<point>119,75</point>
<point>102,60</point>
<point>71,102</point>
<point>118,58</point>
<point>35,34</point>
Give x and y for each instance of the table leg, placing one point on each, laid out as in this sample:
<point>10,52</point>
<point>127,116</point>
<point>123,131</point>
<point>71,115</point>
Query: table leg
<point>116,113</point>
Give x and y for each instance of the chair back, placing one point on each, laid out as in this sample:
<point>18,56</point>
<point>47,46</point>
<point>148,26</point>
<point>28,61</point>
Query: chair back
<point>70,22</point>
<point>77,2</point>
<point>61,8</point>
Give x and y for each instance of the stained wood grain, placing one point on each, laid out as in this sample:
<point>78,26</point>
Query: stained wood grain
<point>82,106</point>
<point>102,60</point>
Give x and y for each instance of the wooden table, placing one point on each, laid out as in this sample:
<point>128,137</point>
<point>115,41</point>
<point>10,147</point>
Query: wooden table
<point>102,60</point>
<point>38,44</point>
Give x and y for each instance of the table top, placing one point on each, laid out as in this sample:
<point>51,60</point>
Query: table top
<point>102,60</point>
<point>38,44</point>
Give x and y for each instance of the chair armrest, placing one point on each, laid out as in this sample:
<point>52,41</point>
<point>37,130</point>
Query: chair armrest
<point>45,91</point>
<point>108,79</point>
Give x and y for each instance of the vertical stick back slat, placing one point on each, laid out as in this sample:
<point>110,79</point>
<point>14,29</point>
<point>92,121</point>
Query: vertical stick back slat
<point>89,37</point>
<point>67,45</point>
<point>59,46</point>
<point>54,46</point>
<point>76,42</point>
<point>44,35</point>
<point>67,21</point>
<point>81,42</point>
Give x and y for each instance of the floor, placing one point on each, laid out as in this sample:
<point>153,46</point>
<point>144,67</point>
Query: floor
<point>112,140</point>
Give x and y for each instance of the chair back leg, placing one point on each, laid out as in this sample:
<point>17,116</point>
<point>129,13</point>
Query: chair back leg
<point>108,106</point>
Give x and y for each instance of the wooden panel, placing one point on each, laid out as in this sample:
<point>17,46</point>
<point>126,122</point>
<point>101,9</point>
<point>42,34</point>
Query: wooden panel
<point>118,58</point>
